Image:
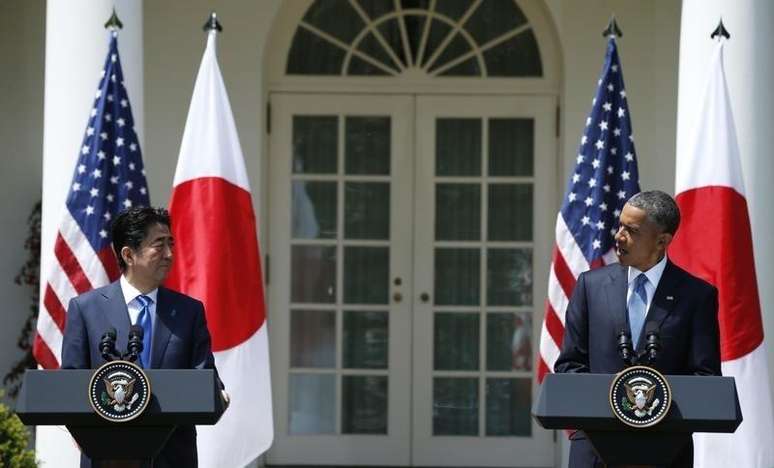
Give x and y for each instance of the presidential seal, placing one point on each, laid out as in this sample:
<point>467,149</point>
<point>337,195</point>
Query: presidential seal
<point>119,391</point>
<point>640,396</point>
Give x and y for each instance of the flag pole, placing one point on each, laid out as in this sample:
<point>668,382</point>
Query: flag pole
<point>720,31</point>
<point>212,23</point>
<point>211,190</point>
<point>604,177</point>
<point>612,29</point>
<point>212,27</point>
<point>113,24</point>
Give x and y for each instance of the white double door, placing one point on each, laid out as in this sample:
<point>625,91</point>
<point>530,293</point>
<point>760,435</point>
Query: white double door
<point>409,239</point>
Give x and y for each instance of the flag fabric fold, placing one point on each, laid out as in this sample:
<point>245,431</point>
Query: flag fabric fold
<point>714,242</point>
<point>109,177</point>
<point>217,261</point>
<point>604,178</point>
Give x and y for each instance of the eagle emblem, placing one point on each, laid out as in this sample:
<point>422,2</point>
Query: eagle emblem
<point>119,388</point>
<point>640,396</point>
<point>119,391</point>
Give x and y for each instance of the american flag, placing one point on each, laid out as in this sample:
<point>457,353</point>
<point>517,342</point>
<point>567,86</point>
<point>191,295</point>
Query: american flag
<point>109,177</point>
<point>604,178</point>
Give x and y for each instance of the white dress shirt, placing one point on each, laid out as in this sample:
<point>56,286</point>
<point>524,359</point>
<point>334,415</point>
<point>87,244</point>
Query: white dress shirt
<point>654,276</point>
<point>134,306</point>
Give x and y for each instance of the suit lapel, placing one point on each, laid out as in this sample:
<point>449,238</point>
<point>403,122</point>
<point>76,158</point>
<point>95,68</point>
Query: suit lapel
<point>164,315</point>
<point>117,312</point>
<point>664,299</point>
<point>615,288</point>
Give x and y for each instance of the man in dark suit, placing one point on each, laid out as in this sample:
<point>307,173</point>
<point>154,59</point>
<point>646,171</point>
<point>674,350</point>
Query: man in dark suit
<point>175,330</point>
<point>645,287</point>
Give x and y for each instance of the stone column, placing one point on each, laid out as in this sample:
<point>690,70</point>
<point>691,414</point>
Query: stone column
<point>76,47</point>
<point>749,67</point>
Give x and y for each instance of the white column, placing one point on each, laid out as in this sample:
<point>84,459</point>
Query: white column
<point>76,47</point>
<point>749,65</point>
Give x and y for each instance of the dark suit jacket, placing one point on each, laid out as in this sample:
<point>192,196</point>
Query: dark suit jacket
<point>180,341</point>
<point>684,307</point>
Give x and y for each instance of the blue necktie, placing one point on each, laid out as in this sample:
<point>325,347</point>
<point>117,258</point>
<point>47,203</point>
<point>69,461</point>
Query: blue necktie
<point>144,320</point>
<point>638,307</point>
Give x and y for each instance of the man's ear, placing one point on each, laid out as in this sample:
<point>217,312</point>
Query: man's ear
<point>127,255</point>
<point>664,239</point>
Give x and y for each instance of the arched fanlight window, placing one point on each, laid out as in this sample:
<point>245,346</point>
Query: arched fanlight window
<point>460,38</point>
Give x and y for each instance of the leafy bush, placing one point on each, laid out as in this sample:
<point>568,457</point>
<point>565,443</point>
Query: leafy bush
<point>29,276</point>
<point>13,441</point>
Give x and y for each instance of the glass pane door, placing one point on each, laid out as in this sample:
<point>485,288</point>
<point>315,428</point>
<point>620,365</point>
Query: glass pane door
<point>341,175</point>
<point>485,172</point>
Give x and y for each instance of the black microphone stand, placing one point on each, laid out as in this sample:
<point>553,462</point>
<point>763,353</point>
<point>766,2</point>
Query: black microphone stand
<point>135,346</point>
<point>107,345</point>
<point>652,343</point>
<point>625,348</point>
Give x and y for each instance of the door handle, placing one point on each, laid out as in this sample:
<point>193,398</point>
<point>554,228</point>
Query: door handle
<point>424,297</point>
<point>397,297</point>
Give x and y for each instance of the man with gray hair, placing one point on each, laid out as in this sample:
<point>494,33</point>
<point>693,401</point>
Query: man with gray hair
<point>644,287</point>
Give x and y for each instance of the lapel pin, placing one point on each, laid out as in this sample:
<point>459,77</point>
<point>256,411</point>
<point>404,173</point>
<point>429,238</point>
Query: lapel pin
<point>670,298</point>
<point>175,311</point>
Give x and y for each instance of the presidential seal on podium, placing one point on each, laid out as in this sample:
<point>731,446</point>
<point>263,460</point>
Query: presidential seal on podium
<point>640,396</point>
<point>119,391</point>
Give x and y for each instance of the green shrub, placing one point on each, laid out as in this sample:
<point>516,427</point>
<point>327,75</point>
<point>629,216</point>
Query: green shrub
<point>13,441</point>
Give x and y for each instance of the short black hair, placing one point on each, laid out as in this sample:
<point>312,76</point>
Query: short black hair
<point>131,227</point>
<point>659,208</point>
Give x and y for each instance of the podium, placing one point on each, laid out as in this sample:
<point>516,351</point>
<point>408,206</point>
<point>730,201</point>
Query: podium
<point>179,397</point>
<point>581,401</point>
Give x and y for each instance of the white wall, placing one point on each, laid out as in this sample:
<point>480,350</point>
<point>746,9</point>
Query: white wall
<point>649,58</point>
<point>21,129</point>
<point>174,43</point>
<point>749,68</point>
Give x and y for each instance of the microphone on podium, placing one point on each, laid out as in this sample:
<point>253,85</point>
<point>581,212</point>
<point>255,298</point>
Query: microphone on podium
<point>652,342</point>
<point>134,347</point>
<point>625,348</point>
<point>107,345</point>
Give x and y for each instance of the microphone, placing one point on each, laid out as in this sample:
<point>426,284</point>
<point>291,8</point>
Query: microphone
<point>134,347</point>
<point>107,345</point>
<point>652,341</point>
<point>625,349</point>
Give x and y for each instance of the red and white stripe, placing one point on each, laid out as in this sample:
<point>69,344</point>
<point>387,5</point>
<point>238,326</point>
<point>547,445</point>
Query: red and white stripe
<point>567,263</point>
<point>715,242</point>
<point>217,261</point>
<point>76,268</point>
